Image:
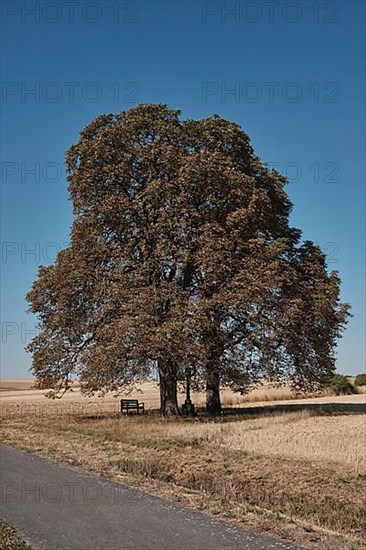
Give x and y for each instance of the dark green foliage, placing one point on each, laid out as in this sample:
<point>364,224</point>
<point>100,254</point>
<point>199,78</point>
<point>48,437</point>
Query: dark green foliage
<point>339,385</point>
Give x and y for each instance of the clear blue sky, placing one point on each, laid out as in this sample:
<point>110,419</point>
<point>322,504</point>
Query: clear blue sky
<point>296,70</point>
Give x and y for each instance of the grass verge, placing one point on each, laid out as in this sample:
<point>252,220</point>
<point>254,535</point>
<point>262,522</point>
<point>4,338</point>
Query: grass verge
<point>9,540</point>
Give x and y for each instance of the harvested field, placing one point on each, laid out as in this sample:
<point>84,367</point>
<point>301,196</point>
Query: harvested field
<point>299,475</point>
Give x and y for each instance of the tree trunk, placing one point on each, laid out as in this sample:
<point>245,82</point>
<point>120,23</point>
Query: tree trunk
<point>168,393</point>
<point>213,402</point>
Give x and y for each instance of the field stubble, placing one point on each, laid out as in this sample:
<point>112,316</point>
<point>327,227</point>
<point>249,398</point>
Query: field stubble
<point>300,475</point>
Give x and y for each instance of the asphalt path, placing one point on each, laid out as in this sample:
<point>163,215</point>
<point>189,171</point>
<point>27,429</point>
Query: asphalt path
<point>55,507</point>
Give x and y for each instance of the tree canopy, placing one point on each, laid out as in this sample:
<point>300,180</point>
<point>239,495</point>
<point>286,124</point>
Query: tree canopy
<point>181,257</point>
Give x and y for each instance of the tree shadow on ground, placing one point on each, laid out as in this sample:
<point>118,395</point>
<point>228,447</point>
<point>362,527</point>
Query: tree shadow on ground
<point>318,408</point>
<point>231,412</point>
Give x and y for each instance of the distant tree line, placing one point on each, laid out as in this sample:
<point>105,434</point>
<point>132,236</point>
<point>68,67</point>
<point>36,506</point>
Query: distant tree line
<point>182,260</point>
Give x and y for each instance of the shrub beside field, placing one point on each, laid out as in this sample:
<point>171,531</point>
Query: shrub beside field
<point>338,384</point>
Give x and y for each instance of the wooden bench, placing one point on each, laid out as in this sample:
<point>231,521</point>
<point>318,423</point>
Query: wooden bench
<point>128,405</point>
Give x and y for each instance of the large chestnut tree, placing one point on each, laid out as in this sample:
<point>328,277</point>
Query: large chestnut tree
<point>181,259</point>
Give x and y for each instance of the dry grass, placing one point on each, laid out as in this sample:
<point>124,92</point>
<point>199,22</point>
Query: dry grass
<point>22,391</point>
<point>12,390</point>
<point>360,389</point>
<point>301,435</point>
<point>301,476</point>
<point>241,469</point>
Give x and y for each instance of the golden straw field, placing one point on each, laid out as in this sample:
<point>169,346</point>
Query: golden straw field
<point>294,468</point>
